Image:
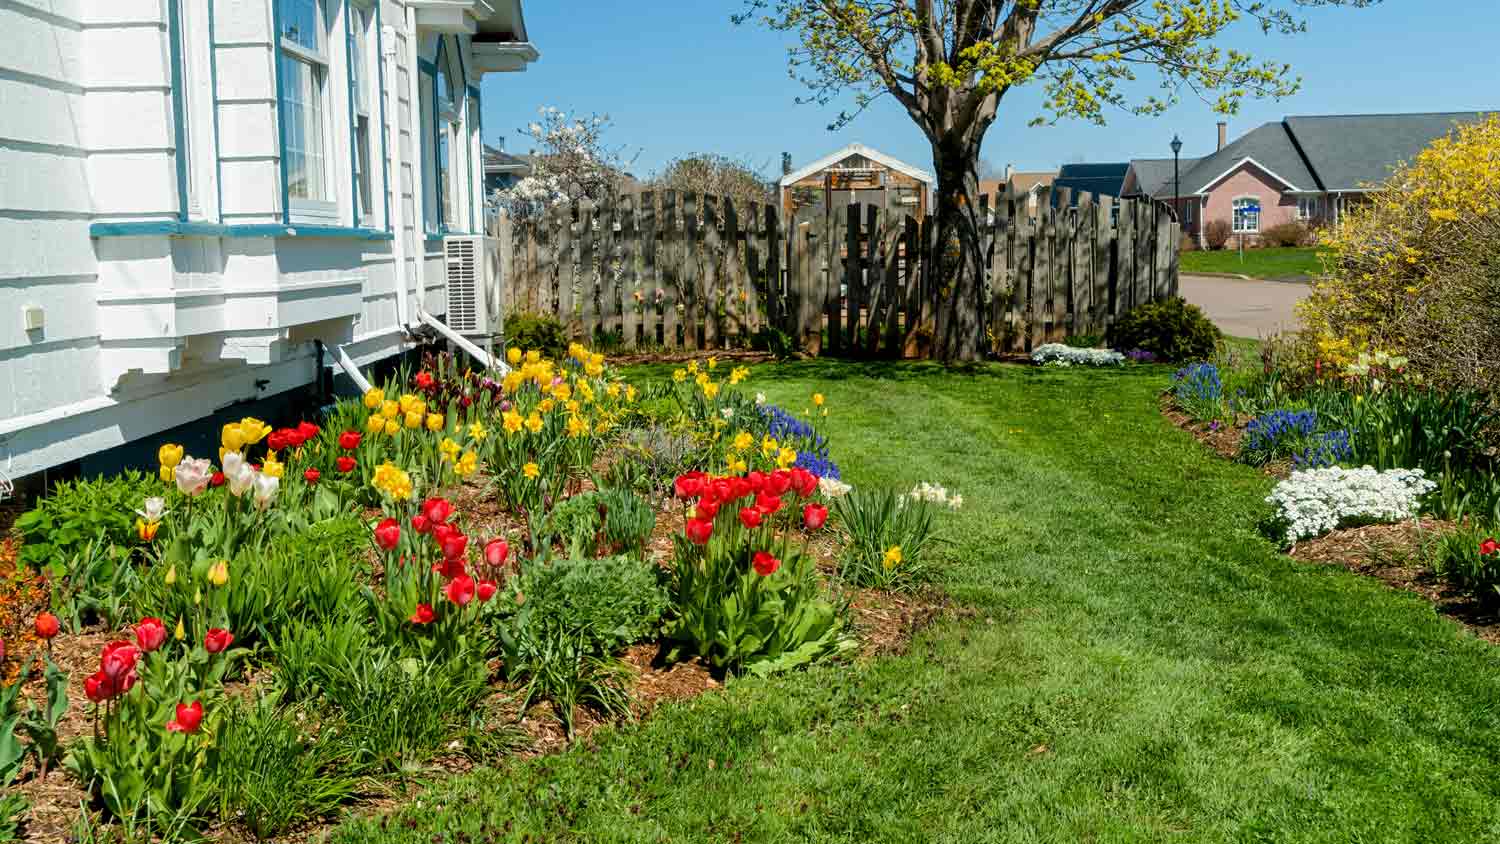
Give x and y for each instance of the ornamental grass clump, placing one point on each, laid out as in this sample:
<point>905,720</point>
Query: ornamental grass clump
<point>887,534</point>
<point>1058,354</point>
<point>1315,501</point>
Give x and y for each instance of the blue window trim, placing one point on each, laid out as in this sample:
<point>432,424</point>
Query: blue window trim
<point>179,107</point>
<point>437,126</point>
<point>213,82</point>
<point>286,191</point>
<point>349,95</point>
<point>425,69</point>
<point>169,228</point>
<point>385,153</point>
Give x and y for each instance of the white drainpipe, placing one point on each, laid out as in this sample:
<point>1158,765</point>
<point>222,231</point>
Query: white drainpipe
<point>347,364</point>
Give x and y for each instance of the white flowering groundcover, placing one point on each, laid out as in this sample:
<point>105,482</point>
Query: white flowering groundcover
<point>1058,354</point>
<point>1315,501</point>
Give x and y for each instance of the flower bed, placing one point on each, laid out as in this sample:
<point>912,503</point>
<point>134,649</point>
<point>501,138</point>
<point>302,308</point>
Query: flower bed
<point>1058,354</point>
<point>422,573</point>
<point>1313,502</point>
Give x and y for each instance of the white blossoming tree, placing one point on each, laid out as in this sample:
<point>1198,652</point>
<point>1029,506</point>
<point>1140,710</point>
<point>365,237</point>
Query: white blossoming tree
<point>570,162</point>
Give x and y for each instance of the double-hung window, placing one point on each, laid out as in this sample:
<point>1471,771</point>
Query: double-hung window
<point>304,108</point>
<point>447,132</point>
<point>361,59</point>
<point>1247,214</point>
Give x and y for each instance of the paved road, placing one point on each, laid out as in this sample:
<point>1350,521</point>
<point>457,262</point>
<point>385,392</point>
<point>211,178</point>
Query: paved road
<point>1246,307</point>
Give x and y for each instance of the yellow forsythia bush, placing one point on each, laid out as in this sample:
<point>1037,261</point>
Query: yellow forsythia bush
<point>1415,270</point>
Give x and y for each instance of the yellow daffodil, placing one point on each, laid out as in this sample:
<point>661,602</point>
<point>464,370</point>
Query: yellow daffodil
<point>534,423</point>
<point>512,381</point>
<point>477,432</point>
<point>562,392</point>
<point>713,363</point>
<point>892,557</point>
<point>710,389</point>
<point>817,399</point>
<point>742,441</point>
<point>374,398</point>
<point>577,427</point>
<point>467,464</point>
<point>613,391</point>
<point>545,406</point>
<point>701,379</point>
<point>738,374</point>
<point>679,375</point>
<point>448,449</point>
<point>769,447</point>
<point>531,470</point>
<point>630,393</point>
<point>738,466</point>
<point>692,367</point>
<point>785,458</point>
<point>585,392</point>
<point>511,421</point>
<point>392,481</point>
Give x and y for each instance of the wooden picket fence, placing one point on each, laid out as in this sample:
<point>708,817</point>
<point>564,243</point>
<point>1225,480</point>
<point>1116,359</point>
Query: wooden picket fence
<point>682,271</point>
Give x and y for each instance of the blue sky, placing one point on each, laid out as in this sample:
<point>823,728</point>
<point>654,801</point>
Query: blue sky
<point>676,78</point>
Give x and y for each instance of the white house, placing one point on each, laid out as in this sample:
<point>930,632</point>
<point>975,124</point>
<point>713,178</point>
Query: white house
<point>194,192</point>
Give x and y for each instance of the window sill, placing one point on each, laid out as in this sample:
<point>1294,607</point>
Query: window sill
<point>179,229</point>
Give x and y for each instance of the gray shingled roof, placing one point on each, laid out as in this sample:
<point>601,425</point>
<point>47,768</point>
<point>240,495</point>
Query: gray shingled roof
<point>1153,176</point>
<point>1102,179</point>
<point>1350,151</point>
<point>1271,147</point>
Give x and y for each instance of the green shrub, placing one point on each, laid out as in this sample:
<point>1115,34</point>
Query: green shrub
<point>615,520</point>
<point>1170,329</point>
<point>81,512</point>
<point>875,521</point>
<point>1468,557</point>
<point>542,332</point>
<point>574,614</point>
<point>775,341</point>
<point>278,768</point>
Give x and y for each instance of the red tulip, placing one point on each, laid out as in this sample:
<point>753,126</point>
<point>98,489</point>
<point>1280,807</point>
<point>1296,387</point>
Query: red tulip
<point>455,545</point>
<point>307,430</point>
<point>311,476</point>
<point>424,380</point>
<point>350,440</point>
<point>689,485</point>
<point>118,660</point>
<point>1488,547</point>
<point>420,524</point>
<point>217,639</point>
<point>757,481</point>
<point>98,688</point>
<point>189,718</point>
<point>487,589</point>
<point>739,488</point>
<point>778,482</point>
<point>698,531</point>
<point>461,589</point>
<point>721,489</point>
<point>768,503</point>
<point>388,533</point>
<point>46,625</point>
<point>706,508</point>
<point>814,516</point>
<point>765,564</point>
<point>449,568</point>
<point>437,510</point>
<point>423,615</point>
<point>346,464</point>
<point>750,517</point>
<point>496,552</point>
<point>277,440</point>
<point>216,479</point>
<point>805,482</point>
<point>150,634</point>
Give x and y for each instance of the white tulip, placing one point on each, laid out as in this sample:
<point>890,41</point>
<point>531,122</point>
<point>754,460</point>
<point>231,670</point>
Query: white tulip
<point>193,475</point>
<point>155,509</point>
<point>265,489</point>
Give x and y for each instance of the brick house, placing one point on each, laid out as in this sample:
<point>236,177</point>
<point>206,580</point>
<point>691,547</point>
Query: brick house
<point>1296,170</point>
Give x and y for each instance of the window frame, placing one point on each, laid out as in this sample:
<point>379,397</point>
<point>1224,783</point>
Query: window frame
<point>364,92</point>
<point>1236,216</point>
<point>1307,208</point>
<point>313,113</point>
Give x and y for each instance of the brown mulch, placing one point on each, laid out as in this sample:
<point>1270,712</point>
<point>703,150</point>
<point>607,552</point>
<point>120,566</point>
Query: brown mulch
<point>1222,439</point>
<point>1397,555</point>
<point>737,358</point>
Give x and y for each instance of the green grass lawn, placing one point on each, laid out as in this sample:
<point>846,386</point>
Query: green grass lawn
<point>1143,665</point>
<point>1258,263</point>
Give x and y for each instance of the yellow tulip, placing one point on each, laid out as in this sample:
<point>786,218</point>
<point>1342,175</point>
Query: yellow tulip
<point>533,356</point>
<point>391,428</point>
<point>171,575</point>
<point>390,409</point>
<point>413,419</point>
<point>253,430</point>
<point>513,355</point>
<point>179,634</point>
<point>218,573</point>
<point>375,424</point>
<point>169,455</point>
<point>166,474</point>
<point>231,437</point>
<point>434,422</point>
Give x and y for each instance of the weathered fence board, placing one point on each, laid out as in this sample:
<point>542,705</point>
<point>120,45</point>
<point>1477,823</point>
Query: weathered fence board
<point>683,270</point>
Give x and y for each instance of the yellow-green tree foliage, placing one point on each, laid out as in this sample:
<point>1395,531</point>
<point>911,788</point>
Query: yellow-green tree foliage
<point>1415,269</point>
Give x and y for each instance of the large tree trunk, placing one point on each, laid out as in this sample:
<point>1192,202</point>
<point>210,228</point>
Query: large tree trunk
<point>957,260</point>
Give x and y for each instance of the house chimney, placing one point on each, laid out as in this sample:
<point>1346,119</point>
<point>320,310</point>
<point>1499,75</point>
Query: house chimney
<point>1223,133</point>
<point>786,164</point>
<point>1010,172</point>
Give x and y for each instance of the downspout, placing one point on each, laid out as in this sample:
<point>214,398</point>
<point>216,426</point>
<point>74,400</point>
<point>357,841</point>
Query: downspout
<point>419,190</point>
<point>396,222</point>
<point>347,364</point>
<point>463,342</point>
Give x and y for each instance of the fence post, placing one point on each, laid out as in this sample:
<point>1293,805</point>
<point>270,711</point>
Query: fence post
<point>671,267</point>
<point>692,271</point>
<point>833,249</point>
<point>712,285</point>
<point>775,292</point>
<point>646,308</point>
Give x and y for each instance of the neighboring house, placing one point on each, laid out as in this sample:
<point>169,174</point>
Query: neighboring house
<point>502,170</point>
<point>206,199</point>
<point>1098,179</point>
<point>1300,169</point>
<point>1032,187</point>
<point>856,173</point>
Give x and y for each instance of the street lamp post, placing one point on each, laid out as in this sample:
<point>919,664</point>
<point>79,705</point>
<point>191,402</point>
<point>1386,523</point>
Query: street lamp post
<point>1176,179</point>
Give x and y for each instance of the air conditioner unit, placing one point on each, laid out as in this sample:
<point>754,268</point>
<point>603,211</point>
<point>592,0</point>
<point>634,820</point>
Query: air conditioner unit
<point>472,265</point>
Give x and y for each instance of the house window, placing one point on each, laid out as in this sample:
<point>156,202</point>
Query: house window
<point>362,58</point>
<point>447,142</point>
<point>1307,208</point>
<point>1247,214</point>
<point>304,107</point>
